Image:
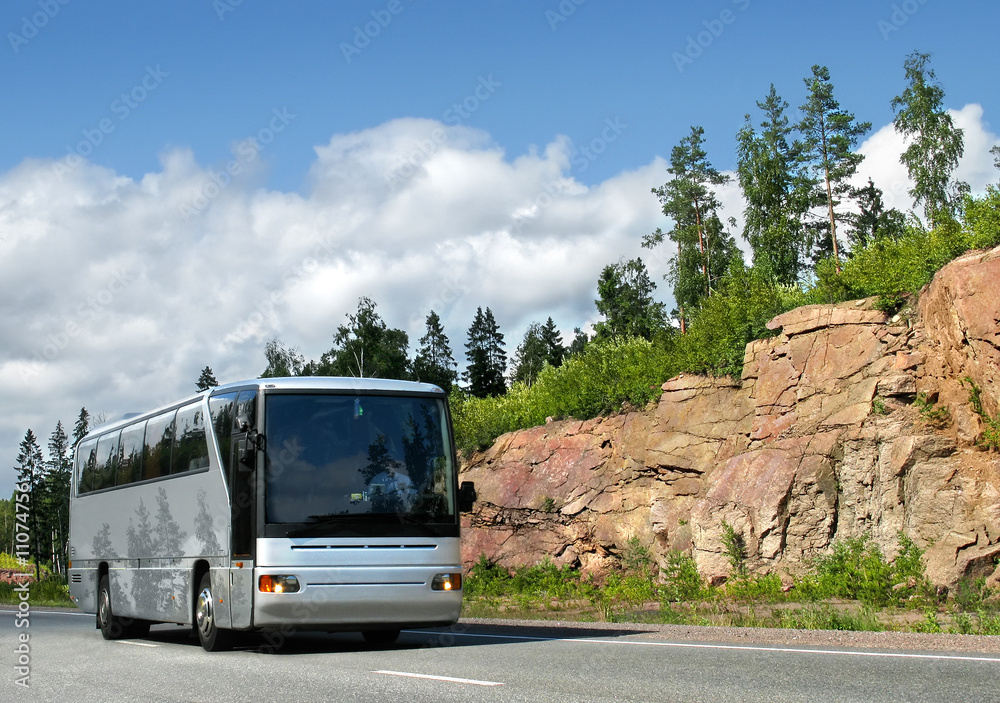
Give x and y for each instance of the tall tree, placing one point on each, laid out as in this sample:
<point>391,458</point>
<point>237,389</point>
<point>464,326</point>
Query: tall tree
<point>487,358</point>
<point>774,195</point>
<point>207,379</point>
<point>703,247</point>
<point>934,143</point>
<point>626,301</point>
<point>367,348</point>
<point>434,362</point>
<point>282,362</point>
<point>30,472</point>
<point>82,426</point>
<point>829,135</point>
<point>555,352</point>
<point>55,497</point>
<point>531,355</point>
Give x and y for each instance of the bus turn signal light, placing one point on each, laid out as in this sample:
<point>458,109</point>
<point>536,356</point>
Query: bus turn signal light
<point>447,582</point>
<point>278,584</point>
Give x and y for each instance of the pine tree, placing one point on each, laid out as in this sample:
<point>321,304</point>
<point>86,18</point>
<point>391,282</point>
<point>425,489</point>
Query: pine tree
<point>829,136</point>
<point>207,379</point>
<point>774,195</point>
<point>487,359</point>
<point>434,362</point>
<point>55,497</point>
<point>30,472</point>
<point>555,352</point>
<point>627,303</point>
<point>703,247</point>
<point>531,355</point>
<point>934,143</point>
<point>82,427</point>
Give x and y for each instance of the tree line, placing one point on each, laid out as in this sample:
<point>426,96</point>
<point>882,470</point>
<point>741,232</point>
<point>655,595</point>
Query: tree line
<point>47,480</point>
<point>796,181</point>
<point>367,347</point>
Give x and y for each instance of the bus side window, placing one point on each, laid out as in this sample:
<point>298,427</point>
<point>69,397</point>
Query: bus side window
<point>130,455</point>
<point>107,461</point>
<point>156,449</point>
<point>222,408</point>
<point>190,445</point>
<point>86,460</point>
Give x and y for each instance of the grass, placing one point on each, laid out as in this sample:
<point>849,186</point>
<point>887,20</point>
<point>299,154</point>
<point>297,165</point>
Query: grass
<point>853,588</point>
<point>50,591</point>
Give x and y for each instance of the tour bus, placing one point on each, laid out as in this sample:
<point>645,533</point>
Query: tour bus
<point>308,503</point>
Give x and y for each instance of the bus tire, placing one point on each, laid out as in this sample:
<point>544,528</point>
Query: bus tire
<point>380,637</point>
<point>211,636</point>
<point>112,627</point>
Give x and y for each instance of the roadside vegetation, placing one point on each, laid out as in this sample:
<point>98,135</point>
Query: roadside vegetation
<point>619,372</point>
<point>853,588</point>
<point>51,590</point>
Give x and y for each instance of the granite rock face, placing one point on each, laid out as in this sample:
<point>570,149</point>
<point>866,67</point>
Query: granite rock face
<point>820,440</point>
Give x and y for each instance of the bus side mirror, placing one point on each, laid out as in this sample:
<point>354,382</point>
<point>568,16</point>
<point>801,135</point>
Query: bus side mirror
<point>466,496</point>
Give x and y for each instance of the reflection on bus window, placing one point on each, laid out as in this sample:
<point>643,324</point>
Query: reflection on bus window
<point>332,457</point>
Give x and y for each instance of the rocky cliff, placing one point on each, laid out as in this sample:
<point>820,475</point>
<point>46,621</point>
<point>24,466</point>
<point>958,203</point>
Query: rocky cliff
<point>843,424</point>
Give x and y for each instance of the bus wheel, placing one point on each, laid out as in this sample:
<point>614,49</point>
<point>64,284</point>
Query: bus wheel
<point>382,637</point>
<point>212,638</point>
<point>112,626</point>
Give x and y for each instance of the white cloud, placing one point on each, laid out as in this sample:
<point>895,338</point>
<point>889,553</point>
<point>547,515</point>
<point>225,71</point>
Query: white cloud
<point>115,293</point>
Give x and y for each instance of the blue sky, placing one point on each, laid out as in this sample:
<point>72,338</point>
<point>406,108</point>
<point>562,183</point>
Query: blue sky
<point>558,72</point>
<point>430,155</point>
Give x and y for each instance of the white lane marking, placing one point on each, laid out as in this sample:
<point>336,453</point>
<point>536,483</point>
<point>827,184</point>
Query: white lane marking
<point>450,679</point>
<point>137,644</point>
<point>745,647</point>
<point>50,612</point>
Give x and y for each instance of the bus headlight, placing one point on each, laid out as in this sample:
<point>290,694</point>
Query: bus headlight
<point>278,584</point>
<point>447,582</point>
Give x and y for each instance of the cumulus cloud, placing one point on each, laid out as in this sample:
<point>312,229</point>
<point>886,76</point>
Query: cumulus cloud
<point>116,292</point>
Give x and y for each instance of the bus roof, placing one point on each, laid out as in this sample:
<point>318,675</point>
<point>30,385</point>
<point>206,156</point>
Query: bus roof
<point>332,383</point>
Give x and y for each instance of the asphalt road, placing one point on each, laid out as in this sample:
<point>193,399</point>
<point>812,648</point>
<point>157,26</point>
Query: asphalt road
<point>495,661</point>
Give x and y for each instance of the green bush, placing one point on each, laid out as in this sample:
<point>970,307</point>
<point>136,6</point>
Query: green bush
<point>681,580</point>
<point>605,377</point>
<point>735,314</point>
<point>857,570</point>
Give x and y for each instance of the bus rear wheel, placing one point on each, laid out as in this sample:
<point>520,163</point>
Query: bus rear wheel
<point>211,636</point>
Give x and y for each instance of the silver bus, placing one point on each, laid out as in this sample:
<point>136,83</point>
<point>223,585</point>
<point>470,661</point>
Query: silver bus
<point>308,503</point>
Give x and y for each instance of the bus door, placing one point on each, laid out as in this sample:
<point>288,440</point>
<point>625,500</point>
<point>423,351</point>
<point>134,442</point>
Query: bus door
<point>242,484</point>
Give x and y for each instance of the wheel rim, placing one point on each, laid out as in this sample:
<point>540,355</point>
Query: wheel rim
<point>104,609</point>
<point>204,614</point>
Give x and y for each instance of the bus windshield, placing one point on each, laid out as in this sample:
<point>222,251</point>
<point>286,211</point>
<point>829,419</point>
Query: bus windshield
<point>336,459</point>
